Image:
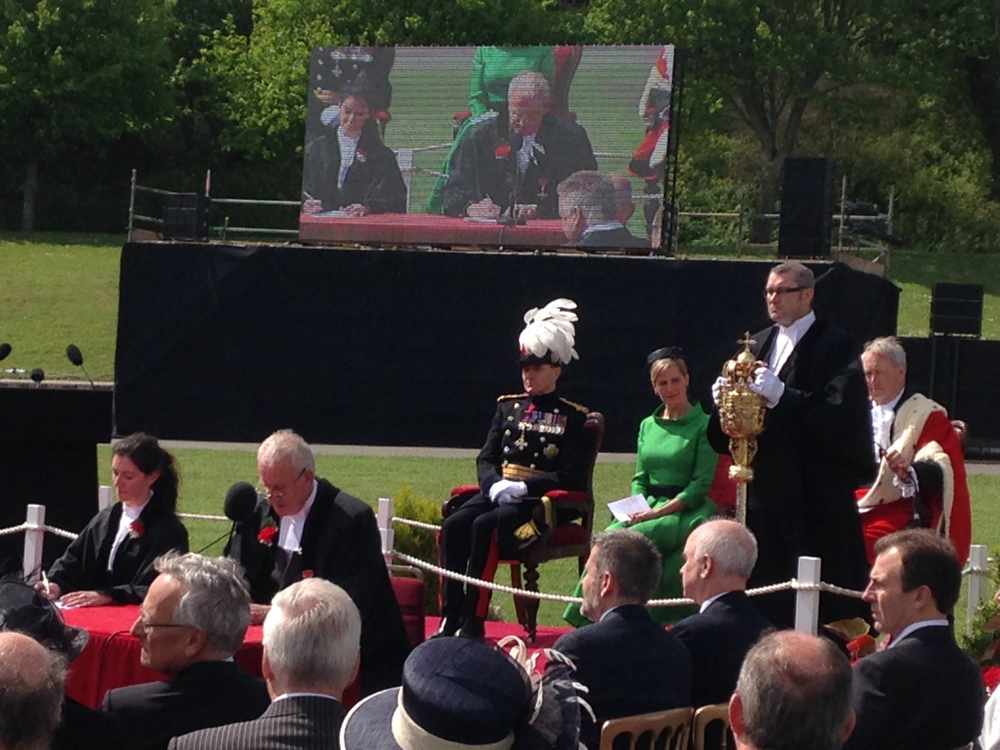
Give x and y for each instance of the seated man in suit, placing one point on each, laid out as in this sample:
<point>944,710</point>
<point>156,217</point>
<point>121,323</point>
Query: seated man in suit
<point>718,559</point>
<point>498,164</point>
<point>630,664</point>
<point>922,691</point>
<point>921,479</point>
<point>31,692</point>
<point>303,526</point>
<point>793,693</point>
<point>312,637</point>
<point>192,621</point>
<point>588,210</point>
<point>536,443</point>
<point>349,168</point>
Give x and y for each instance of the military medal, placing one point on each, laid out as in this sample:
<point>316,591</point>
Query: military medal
<point>551,451</point>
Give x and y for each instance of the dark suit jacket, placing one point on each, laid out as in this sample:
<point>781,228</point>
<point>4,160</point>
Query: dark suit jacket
<point>922,694</point>
<point>630,664</point>
<point>717,640</point>
<point>815,449</point>
<point>618,237</point>
<point>483,164</point>
<point>304,722</point>
<point>340,543</point>
<point>84,564</point>
<point>83,728</point>
<point>206,694</point>
<point>373,179</point>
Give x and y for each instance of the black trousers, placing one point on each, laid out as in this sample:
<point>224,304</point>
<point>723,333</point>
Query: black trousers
<point>474,538</point>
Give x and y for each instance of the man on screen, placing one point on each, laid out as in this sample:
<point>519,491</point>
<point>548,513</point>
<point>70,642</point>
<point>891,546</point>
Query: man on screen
<point>499,165</point>
<point>348,168</point>
<point>588,211</point>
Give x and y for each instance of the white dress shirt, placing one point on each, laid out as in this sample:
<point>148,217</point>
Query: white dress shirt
<point>130,514</point>
<point>348,148</point>
<point>290,532</point>
<point>525,153</point>
<point>787,339</point>
<point>882,416</point>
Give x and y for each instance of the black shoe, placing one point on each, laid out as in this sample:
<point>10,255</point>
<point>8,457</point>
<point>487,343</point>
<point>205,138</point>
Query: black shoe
<point>449,627</point>
<point>473,627</point>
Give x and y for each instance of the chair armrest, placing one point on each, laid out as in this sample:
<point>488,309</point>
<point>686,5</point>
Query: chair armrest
<point>569,498</point>
<point>464,489</point>
<point>459,495</point>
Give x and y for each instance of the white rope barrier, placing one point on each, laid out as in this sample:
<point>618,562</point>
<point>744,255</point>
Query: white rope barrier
<point>56,531</point>
<point>15,529</point>
<point>415,524</point>
<point>202,517</point>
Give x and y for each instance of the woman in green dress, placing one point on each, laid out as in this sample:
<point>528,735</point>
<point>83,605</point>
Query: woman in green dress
<point>674,468</point>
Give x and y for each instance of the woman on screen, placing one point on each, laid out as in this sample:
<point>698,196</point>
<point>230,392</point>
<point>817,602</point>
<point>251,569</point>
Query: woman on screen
<point>674,468</point>
<point>350,169</point>
<point>111,561</point>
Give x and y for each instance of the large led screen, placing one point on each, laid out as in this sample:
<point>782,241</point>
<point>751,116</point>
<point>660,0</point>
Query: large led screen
<point>519,147</point>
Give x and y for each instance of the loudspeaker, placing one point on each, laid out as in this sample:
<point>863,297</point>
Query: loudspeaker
<point>806,208</point>
<point>957,309</point>
<point>185,217</point>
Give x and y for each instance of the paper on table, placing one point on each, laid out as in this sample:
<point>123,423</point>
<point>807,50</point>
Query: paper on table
<point>622,509</point>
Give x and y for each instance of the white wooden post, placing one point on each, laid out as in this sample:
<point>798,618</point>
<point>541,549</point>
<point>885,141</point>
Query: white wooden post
<point>807,602</point>
<point>34,540</point>
<point>385,527</point>
<point>105,497</point>
<point>979,570</point>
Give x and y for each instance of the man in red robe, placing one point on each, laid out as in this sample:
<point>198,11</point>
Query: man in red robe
<point>921,478</point>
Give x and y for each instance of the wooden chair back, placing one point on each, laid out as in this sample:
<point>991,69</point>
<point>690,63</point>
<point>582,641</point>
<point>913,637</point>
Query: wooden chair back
<point>710,728</point>
<point>669,730</point>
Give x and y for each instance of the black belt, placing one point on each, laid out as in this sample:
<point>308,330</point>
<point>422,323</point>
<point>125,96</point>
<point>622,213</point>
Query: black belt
<point>663,490</point>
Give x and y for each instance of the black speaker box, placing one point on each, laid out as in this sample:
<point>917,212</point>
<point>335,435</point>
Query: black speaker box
<point>957,309</point>
<point>806,208</point>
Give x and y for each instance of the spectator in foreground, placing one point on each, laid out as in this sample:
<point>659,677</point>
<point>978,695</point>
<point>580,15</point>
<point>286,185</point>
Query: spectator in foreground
<point>192,622</point>
<point>588,210</point>
<point>718,559</point>
<point>629,663</point>
<point>793,693</point>
<point>32,680</point>
<point>312,647</point>
<point>922,692</point>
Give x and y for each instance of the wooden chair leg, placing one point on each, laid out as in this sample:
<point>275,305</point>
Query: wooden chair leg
<point>519,601</point>
<point>531,605</point>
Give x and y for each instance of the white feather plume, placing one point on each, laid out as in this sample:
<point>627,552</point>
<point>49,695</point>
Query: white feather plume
<point>551,328</point>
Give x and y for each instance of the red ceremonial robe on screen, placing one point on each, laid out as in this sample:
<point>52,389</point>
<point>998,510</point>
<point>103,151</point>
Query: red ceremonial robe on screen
<point>922,430</point>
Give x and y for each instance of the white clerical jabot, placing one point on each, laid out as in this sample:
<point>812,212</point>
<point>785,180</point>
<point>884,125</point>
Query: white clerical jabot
<point>290,534</point>
<point>882,416</point>
<point>348,148</point>
<point>787,339</point>
<point>130,514</point>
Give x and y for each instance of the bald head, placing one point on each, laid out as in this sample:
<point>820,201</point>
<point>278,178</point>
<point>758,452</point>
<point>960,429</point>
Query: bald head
<point>794,691</point>
<point>719,557</point>
<point>32,680</point>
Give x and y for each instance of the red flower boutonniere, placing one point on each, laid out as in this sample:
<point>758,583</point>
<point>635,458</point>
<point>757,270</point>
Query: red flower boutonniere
<point>502,151</point>
<point>308,573</point>
<point>991,678</point>
<point>360,156</point>
<point>267,535</point>
<point>136,529</point>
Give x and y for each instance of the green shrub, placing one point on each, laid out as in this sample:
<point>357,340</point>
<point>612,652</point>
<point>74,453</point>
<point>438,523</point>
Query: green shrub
<point>420,543</point>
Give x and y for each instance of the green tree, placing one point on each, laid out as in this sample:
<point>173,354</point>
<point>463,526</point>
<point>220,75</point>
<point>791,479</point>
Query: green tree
<point>767,62</point>
<point>76,73</point>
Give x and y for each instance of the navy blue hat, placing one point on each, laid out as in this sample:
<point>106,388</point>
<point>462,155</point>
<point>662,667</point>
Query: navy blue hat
<point>666,352</point>
<point>460,690</point>
<point>25,610</point>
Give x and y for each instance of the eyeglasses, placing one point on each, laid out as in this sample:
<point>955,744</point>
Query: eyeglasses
<point>777,291</point>
<point>141,626</point>
<point>278,492</point>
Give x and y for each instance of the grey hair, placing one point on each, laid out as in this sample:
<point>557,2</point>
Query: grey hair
<point>796,692</point>
<point>33,679</point>
<point>286,446</point>
<point>591,192</point>
<point>216,597</point>
<point>731,546</point>
<point>312,634</point>
<point>799,272</point>
<point>887,346</point>
<point>632,559</point>
<point>531,84</point>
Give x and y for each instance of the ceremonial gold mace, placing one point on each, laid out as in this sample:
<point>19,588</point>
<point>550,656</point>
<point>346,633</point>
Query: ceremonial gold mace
<point>741,413</point>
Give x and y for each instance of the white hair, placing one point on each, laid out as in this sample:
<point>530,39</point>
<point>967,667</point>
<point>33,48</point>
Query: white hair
<point>731,546</point>
<point>286,446</point>
<point>887,346</point>
<point>532,85</point>
<point>312,634</point>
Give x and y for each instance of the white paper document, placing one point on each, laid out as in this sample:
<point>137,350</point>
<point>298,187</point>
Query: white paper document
<point>622,509</point>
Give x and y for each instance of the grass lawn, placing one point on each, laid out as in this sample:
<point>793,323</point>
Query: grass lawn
<point>207,473</point>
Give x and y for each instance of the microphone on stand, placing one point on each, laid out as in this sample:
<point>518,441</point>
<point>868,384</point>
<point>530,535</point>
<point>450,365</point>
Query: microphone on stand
<point>75,356</point>
<point>38,375</point>
<point>241,500</point>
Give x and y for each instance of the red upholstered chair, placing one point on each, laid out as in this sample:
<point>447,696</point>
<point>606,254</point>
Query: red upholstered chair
<point>570,516</point>
<point>408,586</point>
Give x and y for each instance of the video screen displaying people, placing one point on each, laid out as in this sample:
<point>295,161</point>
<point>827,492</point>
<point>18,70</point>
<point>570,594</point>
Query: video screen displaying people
<point>565,146</point>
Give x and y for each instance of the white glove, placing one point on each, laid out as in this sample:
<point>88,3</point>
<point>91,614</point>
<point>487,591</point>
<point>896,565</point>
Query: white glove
<point>503,487</point>
<point>767,384</point>
<point>720,383</point>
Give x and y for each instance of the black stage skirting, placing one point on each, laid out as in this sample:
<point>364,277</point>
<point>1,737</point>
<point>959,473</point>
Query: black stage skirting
<point>225,342</point>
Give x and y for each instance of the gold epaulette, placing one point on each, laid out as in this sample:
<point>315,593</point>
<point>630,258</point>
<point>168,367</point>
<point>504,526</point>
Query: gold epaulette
<point>579,407</point>
<point>509,396</point>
